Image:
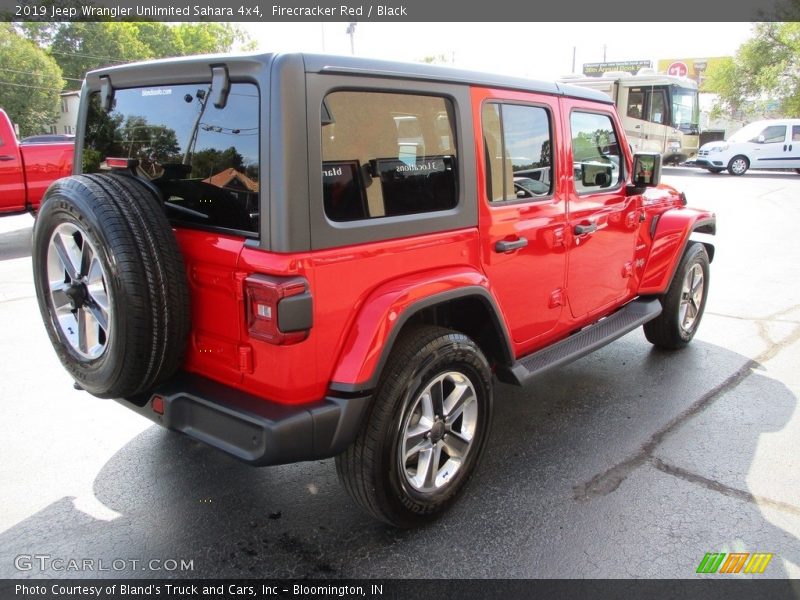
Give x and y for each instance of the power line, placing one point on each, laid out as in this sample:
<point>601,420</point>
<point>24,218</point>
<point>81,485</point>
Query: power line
<point>36,87</point>
<point>87,56</point>
<point>35,74</point>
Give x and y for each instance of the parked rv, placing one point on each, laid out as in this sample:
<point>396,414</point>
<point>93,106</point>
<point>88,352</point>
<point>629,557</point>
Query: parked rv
<point>660,113</point>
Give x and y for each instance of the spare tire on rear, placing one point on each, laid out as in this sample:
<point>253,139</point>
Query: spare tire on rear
<point>111,283</point>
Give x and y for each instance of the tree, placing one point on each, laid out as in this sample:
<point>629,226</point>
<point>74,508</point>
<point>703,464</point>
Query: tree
<point>79,47</point>
<point>154,143</point>
<point>211,161</point>
<point>31,82</point>
<point>764,76</point>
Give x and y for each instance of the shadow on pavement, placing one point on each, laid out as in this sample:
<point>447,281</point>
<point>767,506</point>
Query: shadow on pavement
<point>178,499</point>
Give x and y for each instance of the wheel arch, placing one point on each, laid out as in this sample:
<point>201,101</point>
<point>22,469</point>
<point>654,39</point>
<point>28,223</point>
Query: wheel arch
<point>469,309</point>
<point>672,233</point>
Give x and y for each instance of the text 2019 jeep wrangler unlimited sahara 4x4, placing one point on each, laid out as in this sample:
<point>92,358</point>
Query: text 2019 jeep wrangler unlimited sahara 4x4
<point>292,257</point>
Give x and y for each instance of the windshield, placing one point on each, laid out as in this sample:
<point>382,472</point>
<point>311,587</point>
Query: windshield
<point>685,110</point>
<point>203,159</point>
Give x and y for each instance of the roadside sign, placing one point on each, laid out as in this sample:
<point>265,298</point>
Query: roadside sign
<point>678,69</point>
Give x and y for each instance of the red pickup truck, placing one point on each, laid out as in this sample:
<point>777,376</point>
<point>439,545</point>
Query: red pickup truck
<point>27,170</point>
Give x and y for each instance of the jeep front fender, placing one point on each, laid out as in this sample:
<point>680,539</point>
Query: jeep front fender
<point>671,234</point>
<point>375,328</point>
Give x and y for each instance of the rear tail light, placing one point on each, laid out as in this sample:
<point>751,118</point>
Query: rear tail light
<point>279,309</point>
<point>127,164</point>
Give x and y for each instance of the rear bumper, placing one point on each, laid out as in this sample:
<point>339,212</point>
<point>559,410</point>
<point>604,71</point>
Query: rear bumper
<point>248,427</point>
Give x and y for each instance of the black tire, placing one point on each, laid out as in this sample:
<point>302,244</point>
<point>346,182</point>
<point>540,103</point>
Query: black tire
<point>671,329</point>
<point>738,165</point>
<point>371,470</point>
<point>714,170</point>
<point>120,222</point>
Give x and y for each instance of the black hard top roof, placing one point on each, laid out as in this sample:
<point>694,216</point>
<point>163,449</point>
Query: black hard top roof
<point>351,65</point>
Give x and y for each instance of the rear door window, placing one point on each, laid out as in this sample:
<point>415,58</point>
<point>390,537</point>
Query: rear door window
<point>518,146</point>
<point>387,154</point>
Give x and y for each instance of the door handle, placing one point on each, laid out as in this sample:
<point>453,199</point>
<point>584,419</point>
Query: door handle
<point>7,157</point>
<point>508,246</point>
<point>585,228</point>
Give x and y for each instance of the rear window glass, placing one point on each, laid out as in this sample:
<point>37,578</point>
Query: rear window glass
<point>386,154</point>
<point>203,159</point>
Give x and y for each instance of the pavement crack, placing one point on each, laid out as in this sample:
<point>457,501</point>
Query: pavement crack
<point>606,482</point>
<point>609,480</point>
<point>777,317</point>
<point>726,490</point>
<point>774,348</point>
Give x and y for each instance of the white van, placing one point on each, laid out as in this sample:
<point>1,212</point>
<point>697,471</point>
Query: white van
<point>771,144</point>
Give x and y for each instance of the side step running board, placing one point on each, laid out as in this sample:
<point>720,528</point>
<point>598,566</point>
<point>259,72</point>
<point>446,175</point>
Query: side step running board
<point>579,344</point>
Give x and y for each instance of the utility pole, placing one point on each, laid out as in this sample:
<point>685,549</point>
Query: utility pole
<point>574,49</point>
<point>351,31</point>
<point>202,96</point>
<point>604,53</point>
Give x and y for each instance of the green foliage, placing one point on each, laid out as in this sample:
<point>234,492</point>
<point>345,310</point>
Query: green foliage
<point>101,130</point>
<point>211,161</point>
<point>764,77</point>
<point>91,160</point>
<point>79,47</point>
<point>153,143</point>
<point>31,82</point>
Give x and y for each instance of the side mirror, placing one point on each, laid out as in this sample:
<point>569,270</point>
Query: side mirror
<point>220,86</point>
<point>761,139</point>
<point>596,175</point>
<point>646,170</point>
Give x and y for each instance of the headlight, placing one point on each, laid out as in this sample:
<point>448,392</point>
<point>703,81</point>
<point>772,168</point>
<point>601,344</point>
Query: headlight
<point>718,148</point>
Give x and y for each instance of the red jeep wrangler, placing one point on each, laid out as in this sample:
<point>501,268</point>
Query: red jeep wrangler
<point>293,257</point>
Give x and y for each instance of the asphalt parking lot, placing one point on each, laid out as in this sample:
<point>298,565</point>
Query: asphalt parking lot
<point>630,462</point>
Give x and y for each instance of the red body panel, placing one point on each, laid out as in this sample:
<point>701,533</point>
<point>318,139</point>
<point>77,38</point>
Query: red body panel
<point>523,281</point>
<point>383,309</point>
<point>43,164</point>
<point>558,283</point>
<point>353,308</point>
<point>672,230</point>
<point>26,171</point>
